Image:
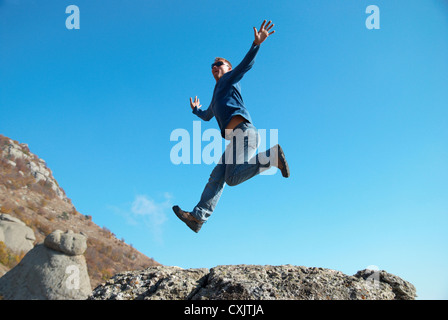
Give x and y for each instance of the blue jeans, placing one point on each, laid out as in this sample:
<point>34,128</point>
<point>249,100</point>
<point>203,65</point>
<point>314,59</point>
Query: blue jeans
<point>237,164</point>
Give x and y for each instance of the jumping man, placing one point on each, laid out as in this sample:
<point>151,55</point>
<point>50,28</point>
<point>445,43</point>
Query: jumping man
<point>238,163</point>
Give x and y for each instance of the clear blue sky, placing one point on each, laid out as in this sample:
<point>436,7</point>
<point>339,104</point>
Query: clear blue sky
<point>361,114</point>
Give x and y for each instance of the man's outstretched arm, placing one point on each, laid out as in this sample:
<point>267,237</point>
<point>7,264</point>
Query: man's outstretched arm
<point>196,105</point>
<point>246,64</point>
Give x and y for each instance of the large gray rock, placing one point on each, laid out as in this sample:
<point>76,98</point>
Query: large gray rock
<point>15,234</point>
<point>253,282</point>
<point>69,243</point>
<point>49,273</point>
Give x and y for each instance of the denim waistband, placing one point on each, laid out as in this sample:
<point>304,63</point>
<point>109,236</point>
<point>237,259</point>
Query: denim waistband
<point>244,126</point>
<point>241,125</point>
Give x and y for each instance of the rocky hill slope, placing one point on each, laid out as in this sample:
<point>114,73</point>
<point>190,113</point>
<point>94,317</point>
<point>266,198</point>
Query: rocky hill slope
<point>30,193</point>
<point>253,282</point>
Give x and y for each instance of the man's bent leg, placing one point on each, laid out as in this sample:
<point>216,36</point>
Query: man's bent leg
<point>244,165</point>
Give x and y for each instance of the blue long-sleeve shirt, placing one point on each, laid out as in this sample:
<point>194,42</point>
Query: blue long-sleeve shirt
<point>227,101</point>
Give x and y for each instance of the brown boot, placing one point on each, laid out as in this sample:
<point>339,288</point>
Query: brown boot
<point>281,163</point>
<point>193,223</point>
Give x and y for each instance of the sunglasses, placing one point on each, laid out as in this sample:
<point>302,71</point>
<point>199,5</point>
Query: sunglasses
<point>217,63</point>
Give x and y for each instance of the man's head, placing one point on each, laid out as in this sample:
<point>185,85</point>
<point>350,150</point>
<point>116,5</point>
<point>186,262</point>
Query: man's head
<point>220,67</point>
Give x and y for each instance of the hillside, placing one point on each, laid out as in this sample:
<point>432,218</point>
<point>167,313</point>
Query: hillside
<point>29,192</point>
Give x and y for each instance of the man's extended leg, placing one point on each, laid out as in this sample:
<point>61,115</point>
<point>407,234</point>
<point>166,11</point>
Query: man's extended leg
<point>209,198</point>
<point>211,194</point>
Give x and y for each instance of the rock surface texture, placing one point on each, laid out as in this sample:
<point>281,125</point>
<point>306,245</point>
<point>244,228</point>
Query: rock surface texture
<point>253,282</point>
<point>55,270</point>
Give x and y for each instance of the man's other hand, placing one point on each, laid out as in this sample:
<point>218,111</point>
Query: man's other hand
<point>195,103</point>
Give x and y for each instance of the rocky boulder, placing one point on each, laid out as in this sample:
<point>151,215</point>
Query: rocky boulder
<point>253,282</point>
<point>69,243</point>
<point>15,234</point>
<point>55,270</point>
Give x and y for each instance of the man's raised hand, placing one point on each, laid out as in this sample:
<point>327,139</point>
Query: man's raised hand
<point>263,33</point>
<point>195,103</point>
